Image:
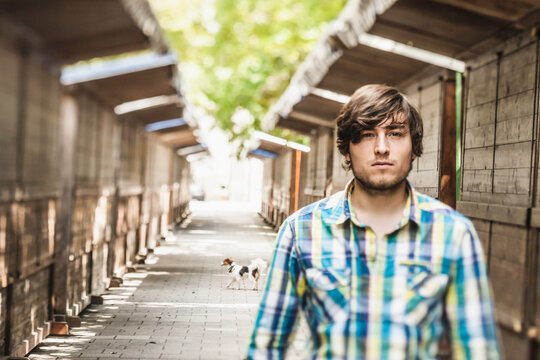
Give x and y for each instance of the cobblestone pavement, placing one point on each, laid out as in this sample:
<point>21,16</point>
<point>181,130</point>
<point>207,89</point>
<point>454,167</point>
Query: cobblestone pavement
<point>177,306</point>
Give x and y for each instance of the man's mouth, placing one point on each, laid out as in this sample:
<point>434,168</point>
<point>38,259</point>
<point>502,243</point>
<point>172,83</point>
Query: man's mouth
<point>382,164</point>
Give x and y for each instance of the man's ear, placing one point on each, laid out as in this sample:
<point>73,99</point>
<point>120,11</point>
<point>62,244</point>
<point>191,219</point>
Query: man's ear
<point>347,157</point>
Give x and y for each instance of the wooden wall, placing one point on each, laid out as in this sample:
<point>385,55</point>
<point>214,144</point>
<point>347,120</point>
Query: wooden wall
<point>319,165</point>
<point>29,189</point>
<point>499,183</point>
<point>427,95</point>
<point>281,176</point>
<point>71,195</point>
<point>267,190</point>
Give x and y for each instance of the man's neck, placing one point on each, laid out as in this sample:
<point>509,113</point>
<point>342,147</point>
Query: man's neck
<point>381,210</point>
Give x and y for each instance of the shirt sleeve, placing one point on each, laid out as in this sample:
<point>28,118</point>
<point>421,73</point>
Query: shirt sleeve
<point>469,305</point>
<point>278,311</point>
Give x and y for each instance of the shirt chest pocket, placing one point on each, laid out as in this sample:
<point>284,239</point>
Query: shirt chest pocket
<point>424,293</point>
<point>330,292</point>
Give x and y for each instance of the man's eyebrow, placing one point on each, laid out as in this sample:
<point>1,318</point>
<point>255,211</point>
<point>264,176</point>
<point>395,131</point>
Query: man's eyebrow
<point>397,126</point>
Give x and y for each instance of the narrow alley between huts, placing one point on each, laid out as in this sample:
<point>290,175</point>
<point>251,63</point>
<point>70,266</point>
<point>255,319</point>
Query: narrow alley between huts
<point>177,306</point>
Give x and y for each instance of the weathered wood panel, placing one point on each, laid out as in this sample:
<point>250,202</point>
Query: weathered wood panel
<point>109,140</point>
<point>40,149</point>
<point>282,186</point>
<point>478,159</point>
<point>340,176</point>
<point>29,306</point>
<point>311,173</point>
<point>34,236</point>
<point>483,229</point>
<point>9,90</point>
<point>508,256</point>
<point>131,155</point>
<point>517,71</point>
<point>482,86</point>
<point>497,177</point>
<point>323,163</point>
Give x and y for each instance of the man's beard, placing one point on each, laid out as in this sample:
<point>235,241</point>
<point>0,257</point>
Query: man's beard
<point>379,188</point>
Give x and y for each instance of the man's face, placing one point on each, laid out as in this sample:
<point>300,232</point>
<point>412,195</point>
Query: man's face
<point>382,158</point>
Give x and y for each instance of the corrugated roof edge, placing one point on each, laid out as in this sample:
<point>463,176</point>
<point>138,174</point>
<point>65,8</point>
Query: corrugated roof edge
<point>146,20</point>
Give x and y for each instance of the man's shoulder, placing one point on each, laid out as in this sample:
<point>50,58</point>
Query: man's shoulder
<point>326,205</point>
<point>437,208</point>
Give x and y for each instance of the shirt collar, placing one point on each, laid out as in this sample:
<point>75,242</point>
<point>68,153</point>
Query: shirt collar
<point>342,210</point>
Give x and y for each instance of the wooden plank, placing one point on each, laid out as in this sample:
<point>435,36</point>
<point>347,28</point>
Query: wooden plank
<point>513,344</point>
<point>9,92</point>
<point>518,200</point>
<point>519,80</point>
<point>482,84</point>
<point>509,243</point>
<point>512,181</point>
<point>478,159</point>
<point>479,137</point>
<point>426,179</point>
<point>428,161</point>
<point>431,115</point>
<point>522,57</point>
<point>430,191</point>
<point>518,129</point>
<point>508,254</point>
<point>483,229</point>
<point>68,131</point>
<point>535,218</point>
<point>476,181</point>
<point>481,115</point>
<point>498,9</point>
<point>519,105</point>
<point>431,143</point>
<point>513,156</point>
<point>432,94</point>
<point>504,214</point>
<point>508,292</point>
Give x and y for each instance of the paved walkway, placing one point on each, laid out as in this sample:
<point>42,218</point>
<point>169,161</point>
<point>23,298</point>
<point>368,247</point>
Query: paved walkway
<point>176,306</point>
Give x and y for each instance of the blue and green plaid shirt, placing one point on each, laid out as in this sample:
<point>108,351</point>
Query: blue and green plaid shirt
<point>369,298</point>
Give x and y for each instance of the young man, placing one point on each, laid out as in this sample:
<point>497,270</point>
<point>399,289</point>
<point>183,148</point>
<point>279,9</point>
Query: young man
<point>379,270</point>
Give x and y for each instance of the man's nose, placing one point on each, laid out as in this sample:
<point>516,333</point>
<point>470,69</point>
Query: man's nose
<point>381,144</point>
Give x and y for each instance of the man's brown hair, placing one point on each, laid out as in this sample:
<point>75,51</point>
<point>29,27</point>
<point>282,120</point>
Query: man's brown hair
<point>370,106</point>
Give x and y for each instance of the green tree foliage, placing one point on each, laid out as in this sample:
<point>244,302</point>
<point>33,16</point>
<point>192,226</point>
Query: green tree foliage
<point>241,54</point>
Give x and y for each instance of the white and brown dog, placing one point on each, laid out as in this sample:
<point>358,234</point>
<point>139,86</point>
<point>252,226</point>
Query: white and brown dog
<point>239,273</point>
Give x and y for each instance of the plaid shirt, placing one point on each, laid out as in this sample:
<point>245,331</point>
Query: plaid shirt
<point>364,298</point>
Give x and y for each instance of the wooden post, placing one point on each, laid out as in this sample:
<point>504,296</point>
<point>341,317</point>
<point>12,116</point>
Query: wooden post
<point>117,144</point>
<point>295,180</point>
<point>447,171</point>
<point>68,136</point>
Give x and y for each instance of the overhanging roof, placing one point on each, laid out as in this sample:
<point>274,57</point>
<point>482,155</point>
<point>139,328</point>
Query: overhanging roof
<point>457,28</point>
<point>341,62</point>
<point>74,30</point>
<point>161,112</point>
<point>264,145</point>
<point>127,79</point>
<point>179,137</point>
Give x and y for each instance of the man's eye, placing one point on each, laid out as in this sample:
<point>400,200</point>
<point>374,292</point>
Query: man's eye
<point>367,135</point>
<point>396,134</point>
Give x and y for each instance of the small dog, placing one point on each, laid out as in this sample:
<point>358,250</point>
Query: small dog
<point>240,273</point>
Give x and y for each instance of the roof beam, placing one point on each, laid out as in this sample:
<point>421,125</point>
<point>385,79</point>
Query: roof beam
<point>314,120</point>
<point>502,9</point>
